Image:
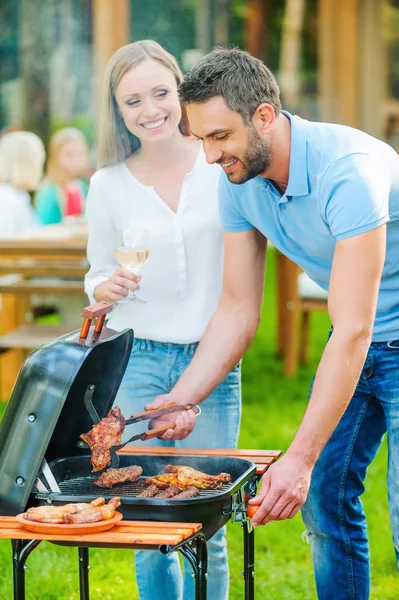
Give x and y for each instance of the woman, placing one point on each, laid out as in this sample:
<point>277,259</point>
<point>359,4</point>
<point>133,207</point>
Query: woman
<point>155,176</point>
<point>63,193</point>
<point>22,158</point>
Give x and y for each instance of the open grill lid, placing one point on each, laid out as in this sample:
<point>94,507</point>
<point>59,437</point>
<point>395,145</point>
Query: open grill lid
<point>51,402</point>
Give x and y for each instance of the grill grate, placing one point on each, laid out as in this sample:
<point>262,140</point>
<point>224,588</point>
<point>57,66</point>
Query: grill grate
<point>83,486</point>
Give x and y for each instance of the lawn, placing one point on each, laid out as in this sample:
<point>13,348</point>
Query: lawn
<point>273,407</point>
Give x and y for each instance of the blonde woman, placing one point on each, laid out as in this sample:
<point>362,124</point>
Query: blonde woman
<point>63,193</point>
<point>22,158</point>
<point>155,176</point>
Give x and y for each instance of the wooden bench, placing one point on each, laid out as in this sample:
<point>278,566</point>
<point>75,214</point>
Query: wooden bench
<point>33,268</point>
<point>19,336</point>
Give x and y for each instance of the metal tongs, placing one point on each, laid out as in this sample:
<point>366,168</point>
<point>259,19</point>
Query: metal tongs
<point>151,433</point>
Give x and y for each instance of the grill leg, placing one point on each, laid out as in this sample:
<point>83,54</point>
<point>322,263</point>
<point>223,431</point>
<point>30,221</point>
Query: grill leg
<point>249,562</point>
<point>84,568</point>
<point>20,552</point>
<point>199,562</point>
<point>202,560</point>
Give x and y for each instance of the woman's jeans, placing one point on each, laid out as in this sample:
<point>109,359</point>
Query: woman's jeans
<point>333,512</point>
<point>153,370</point>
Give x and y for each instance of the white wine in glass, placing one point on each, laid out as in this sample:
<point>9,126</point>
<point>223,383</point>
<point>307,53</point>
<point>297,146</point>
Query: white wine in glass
<point>132,251</point>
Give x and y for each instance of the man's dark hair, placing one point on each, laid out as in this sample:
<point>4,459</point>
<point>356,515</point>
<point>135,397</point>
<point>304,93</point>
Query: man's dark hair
<point>241,79</point>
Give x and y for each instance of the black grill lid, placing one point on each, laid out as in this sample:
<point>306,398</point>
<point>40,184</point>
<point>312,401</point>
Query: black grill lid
<point>48,411</point>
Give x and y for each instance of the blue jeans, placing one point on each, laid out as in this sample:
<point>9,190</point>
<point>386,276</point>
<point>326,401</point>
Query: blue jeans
<point>153,369</point>
<point>333,512</point>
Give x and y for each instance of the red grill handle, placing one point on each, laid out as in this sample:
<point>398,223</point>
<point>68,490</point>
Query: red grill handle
<point>95,311</point>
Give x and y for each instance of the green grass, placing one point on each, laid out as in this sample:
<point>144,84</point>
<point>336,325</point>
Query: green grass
<point>273,407</point>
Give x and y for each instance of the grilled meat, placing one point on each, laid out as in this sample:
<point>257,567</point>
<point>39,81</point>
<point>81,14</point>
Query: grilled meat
<point>163,481</point>
<point>56,514</point>
<point>169,492</point>
<point>190,473</point>
<point>190,492</point>
<point>112,477</point>
<point>92,515</point>
<point>148,492</point>
<point>184,477</point>
<point>101,437</point>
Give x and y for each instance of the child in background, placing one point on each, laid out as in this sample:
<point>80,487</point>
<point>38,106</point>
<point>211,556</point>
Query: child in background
<point>63,193</point>
<point>22,156</point>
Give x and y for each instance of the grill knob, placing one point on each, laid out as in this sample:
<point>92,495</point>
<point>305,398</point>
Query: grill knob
<point>31,418</point>
<point>20,481</point>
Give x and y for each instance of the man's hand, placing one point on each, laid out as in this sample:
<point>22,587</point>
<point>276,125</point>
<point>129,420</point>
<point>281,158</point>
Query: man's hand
<point>185,420</point>
<point>283,491</point>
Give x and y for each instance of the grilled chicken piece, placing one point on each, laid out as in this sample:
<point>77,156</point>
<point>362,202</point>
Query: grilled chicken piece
<point>170,491</point>
<point>190,492</point>
<point>56,514</point>
<point>101,437</point>
<point>92,515</point>
<point>184,477</point>
<point>112,477</point>
<point>197,476</point>
<point>148,492</point>
<point>163,481</point>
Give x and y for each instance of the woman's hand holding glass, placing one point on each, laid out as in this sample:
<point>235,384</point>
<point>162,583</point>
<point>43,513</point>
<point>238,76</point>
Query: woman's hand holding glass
<point>132,251</point>
<point>118,286</point>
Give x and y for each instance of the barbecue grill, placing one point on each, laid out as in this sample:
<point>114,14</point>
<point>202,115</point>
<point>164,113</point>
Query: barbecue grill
<point>62,389</point>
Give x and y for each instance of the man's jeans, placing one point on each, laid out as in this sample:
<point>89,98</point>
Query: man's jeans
<point>333,512</point>
<point>153,369</point>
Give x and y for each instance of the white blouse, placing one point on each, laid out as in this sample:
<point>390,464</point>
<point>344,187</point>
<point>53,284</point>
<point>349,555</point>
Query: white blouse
<point>182,278</point>
<point>16,212</point>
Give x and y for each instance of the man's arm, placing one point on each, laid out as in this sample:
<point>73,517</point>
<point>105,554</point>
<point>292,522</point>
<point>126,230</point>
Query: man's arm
<point>230,330</point>
<point>354,284</point>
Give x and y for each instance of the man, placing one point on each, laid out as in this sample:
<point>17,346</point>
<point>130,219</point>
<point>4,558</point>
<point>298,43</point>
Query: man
<point>327,196</point>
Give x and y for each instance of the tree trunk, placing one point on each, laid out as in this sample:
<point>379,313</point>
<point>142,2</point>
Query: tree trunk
<point>255,27</point>
<point>36,43</point>
<point>290,53</point>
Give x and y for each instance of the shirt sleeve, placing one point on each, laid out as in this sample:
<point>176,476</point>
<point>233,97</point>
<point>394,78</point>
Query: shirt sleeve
<point>231,217</point>
<point>355,195</point>
<point>101,242</point>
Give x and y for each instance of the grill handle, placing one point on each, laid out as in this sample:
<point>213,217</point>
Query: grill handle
<point>95,311</point>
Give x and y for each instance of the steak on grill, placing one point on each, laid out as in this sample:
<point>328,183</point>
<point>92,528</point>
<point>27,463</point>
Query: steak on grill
<point>112,477</point>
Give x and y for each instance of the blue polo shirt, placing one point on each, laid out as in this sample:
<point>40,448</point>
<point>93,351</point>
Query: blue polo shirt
<point>342,182</point>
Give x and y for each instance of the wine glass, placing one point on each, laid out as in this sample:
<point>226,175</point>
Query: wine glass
<point>131,252</point>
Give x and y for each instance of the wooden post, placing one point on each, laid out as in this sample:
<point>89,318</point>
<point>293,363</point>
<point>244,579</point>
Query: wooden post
<point>255,27</point>
<point>372,73</point>
<point>204,25</point>
<point>111,30</point>
<point>339,61</point>
<point>290,54</point>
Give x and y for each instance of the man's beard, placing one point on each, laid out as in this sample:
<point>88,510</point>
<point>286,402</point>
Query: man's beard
<point>258,158</point>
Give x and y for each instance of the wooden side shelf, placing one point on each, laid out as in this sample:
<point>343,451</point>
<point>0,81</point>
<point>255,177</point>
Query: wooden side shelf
<point>262,458</point>
<point>126,534</point>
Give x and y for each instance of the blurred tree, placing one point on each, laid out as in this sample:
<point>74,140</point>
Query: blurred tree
<point>36,44</point>
<point>171,24</point>
<point>291,53</point>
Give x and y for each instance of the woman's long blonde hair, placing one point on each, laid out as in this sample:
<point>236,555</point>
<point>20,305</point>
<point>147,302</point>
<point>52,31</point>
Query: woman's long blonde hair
<point>54,173</point>
<point>116,142</point>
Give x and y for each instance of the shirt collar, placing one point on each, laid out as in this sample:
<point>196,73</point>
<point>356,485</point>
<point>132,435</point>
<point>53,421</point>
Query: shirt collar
<point>298,184</point>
